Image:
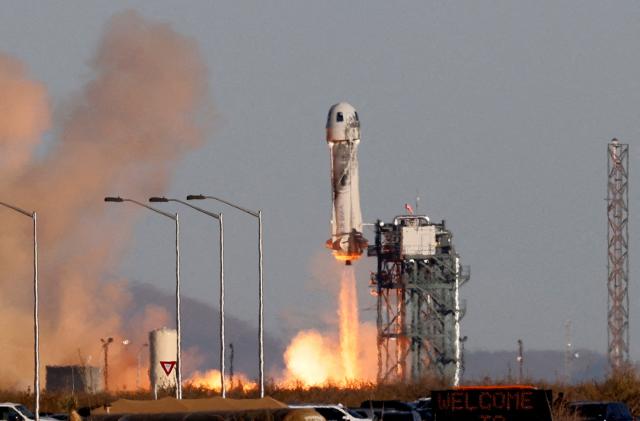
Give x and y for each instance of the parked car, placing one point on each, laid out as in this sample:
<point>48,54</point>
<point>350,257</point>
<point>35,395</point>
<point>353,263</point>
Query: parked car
<point>10,411</point>
<point>337,412</point>
<point>359,412</point>
<point>423,407</point>
<point>58,416</point>
<point>390,410</point>
<point>600,411</point>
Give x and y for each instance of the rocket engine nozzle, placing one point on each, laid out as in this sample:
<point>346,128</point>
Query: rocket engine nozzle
<point>348,247</point>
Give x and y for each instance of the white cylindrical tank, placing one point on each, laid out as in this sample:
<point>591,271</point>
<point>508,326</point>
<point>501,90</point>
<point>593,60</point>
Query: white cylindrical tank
<point>163,357</point>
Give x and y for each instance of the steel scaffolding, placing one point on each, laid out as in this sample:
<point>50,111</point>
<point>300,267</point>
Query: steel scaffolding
<point>618,253</point>
<point>418,302</point>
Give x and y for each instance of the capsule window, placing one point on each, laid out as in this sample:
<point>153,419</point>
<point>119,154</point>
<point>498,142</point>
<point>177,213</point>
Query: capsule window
<point>339,117</point>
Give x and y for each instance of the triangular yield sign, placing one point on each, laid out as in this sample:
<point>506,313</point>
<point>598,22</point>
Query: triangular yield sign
<point>167,366</point>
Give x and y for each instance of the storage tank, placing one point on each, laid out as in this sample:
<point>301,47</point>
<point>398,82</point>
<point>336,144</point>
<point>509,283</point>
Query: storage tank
<point>163,358</point>
<point>74,378</point>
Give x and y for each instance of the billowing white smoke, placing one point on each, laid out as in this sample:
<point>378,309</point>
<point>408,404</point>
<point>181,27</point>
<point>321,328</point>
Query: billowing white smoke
<point>24,115</point>
<point>124,133</point>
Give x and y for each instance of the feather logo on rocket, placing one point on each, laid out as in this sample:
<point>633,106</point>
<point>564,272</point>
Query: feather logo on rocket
<point>343,137</point>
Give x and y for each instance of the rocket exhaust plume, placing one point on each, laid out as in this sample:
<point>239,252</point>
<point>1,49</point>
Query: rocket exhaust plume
<point>124,132</point>
<point>311,358</point>
<point>349,323</point>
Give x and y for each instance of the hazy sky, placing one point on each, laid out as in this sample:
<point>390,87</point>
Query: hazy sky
<point>497,113</point>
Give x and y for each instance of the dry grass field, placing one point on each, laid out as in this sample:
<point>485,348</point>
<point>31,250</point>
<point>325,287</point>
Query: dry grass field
<point>623,386</point>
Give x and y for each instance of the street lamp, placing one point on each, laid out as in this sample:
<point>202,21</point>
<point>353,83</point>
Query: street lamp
<point>36,328</point>
<point>217,216</point>
<point>178,329</point>
<point>258,215</point>
<point>105,348</point>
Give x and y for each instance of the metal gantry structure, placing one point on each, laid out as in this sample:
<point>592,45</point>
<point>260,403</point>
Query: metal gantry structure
<point>618,253</point>
<point>419,309</point>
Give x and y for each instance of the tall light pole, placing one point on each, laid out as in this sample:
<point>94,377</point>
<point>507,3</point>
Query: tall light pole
<point>520,360</point>
<point>36,327</point>
<point>175,218</point>
<point>105,348</point>
<point>256,214</point>
<point>217,216</point>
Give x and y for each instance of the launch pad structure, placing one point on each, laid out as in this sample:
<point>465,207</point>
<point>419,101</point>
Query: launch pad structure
<point>417,283</point>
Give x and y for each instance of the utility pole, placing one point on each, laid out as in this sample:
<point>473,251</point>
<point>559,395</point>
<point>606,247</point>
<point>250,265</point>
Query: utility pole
<point>105,348</point>
<point>520,360</point>
<point>231,364</point>
<point>568,352</point>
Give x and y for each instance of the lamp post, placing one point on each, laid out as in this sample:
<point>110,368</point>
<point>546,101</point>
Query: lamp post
<point>256,214</point>
<point>105,348</point>
<point>217,216</point>
<point>175,218</point>
<point>142,347</point>
<point>36,327</point>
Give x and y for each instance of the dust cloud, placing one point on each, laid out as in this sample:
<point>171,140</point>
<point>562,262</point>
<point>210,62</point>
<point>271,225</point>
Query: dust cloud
<point>145,106</point>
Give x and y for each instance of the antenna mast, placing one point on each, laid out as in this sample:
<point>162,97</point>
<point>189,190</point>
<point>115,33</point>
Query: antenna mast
<point>618,253</point>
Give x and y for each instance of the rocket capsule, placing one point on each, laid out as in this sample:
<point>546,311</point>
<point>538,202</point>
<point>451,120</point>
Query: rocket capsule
<point>343,123</point>
<point>343,137</point>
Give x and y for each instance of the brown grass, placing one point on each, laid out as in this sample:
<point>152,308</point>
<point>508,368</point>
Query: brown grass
<point>621,386</point>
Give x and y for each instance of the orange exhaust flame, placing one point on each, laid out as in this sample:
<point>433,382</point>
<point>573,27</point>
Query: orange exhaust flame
<point>211,380</point>
<point>349,323</point>
<point>315,359</point>
<point>342,257</point>
<point>311,360</point>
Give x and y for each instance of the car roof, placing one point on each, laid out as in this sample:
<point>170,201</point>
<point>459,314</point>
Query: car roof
<point>497,387</point>
<point>592,402</point>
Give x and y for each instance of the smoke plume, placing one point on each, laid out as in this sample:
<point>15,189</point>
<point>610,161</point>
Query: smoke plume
<point>24,115</point>
<point>124,132</point>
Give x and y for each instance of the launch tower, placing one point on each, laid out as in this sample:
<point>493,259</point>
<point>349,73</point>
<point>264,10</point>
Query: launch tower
<point>618,252</point>
<point>419,308</point>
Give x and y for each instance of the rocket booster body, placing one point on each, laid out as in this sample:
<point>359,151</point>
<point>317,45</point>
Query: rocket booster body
<point>343,137</point>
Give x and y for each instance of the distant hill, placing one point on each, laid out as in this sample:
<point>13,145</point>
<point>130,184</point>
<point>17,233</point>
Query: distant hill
<point>538,365</point>
<point>200,328</point>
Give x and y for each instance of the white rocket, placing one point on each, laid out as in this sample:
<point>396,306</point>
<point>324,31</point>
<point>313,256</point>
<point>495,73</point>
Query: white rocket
<point>343,137</point>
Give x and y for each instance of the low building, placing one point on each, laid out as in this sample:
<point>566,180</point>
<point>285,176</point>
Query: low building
<point>74,378</point>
